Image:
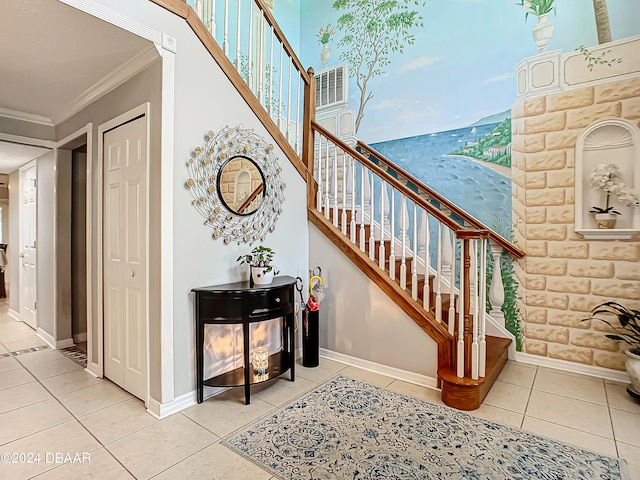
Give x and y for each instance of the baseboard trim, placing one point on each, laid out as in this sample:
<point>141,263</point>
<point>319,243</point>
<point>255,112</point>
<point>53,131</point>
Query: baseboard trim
<point>80,337</point>
<point>163,410</point>
<point>397,373</point>
<point>600,372</point>
<point>13,314</point>
<point>93,369</point>
<point>48,339</point>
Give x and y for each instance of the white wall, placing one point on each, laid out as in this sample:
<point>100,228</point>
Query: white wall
<point>358,319</point>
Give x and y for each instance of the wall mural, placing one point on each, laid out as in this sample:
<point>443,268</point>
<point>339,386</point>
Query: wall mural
<point>432,83</point>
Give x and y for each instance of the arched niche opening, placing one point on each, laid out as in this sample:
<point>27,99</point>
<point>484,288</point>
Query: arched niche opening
<point>611,142</point>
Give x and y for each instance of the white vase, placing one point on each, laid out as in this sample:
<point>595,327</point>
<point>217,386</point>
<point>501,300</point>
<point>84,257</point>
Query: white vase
<point>606,220</point>
<point>542,32</point>
<point>633,370</point>
<point>260,277</point>
<point>324,55</point>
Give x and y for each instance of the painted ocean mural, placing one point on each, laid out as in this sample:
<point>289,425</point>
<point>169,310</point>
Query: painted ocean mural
<point>476,188</point>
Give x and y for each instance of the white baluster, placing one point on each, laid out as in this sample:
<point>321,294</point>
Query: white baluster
<point>249,78</point>
<point>414,264</point>
<point>404,227</point>
<point>326,182</point>
<point>343,218</point>
<point>212,18</point>
<point>288,126</point>
<point>225,34</point>
<point>452,297</point>
<point>334,184</point>
<point>372,242</point>
<point>473,273</point>
<point>238,58</point>
<point>392,246</point>
<point>298,117</point>
<point>381,249</point>
<point>483,306</point>
<point>197,7</point>
<point>270,92</point>
<point>352,185</point>
<point>460,343</point>
<point>318,173</point>
<point>384,210</point>
<point>439,276</point>
<point>261,66</point>
<point>424,236</point>
<point>279,113</point>
<point>496,289</point>
<point>363,182</point>
<point>446,258</point>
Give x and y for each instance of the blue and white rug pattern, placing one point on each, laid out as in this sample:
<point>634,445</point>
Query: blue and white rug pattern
<point>347,429</point>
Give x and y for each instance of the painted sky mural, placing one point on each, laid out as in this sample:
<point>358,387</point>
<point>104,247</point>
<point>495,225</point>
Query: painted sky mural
<point>460,67</point>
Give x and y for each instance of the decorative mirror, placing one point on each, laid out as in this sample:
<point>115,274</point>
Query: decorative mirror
<point>236,185</point>
<point>241,185</point>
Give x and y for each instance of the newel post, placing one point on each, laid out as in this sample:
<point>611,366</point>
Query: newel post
<point>308,117</point>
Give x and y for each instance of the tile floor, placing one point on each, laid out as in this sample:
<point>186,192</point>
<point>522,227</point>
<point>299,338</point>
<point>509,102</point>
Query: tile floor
<point>49,404</point>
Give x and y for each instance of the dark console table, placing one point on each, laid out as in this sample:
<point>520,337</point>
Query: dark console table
<point>240,303</point>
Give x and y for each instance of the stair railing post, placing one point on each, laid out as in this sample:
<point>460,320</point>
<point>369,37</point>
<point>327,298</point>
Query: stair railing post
<point>465,291</point>
<point>451,319</point>
<point>308,134</point>
<point>475,309</point>
<point>383,212</point>
<point>496,289</point>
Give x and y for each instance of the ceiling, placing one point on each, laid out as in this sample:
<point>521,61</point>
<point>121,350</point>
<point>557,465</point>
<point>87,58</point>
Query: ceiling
<point>52,56</point>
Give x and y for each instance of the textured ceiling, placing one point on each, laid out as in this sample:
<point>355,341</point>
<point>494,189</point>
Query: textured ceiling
<point>50,55</point>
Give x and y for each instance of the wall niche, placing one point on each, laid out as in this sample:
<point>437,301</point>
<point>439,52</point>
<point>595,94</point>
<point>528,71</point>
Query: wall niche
<point>616,144</point>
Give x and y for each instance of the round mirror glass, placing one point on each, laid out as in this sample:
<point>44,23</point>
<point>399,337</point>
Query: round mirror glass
<point>241,185</point>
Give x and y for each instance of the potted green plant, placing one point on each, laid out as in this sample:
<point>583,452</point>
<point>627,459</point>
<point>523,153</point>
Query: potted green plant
<point>259,260</point>
<point>627,330</point>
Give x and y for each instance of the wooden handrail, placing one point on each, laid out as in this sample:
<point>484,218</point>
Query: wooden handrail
<point>391,180</point>
<point>466,217</point>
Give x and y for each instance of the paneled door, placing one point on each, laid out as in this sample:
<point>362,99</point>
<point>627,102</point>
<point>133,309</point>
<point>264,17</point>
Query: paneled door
<point>125,255</point>
<point>27,233</point>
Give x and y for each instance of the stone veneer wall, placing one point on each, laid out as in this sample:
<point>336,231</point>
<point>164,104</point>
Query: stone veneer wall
<point>563,275</point>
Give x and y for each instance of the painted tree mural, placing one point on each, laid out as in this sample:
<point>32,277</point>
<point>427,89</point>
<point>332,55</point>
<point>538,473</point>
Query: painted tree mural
<point>372,30</point>
<point>602,20</point>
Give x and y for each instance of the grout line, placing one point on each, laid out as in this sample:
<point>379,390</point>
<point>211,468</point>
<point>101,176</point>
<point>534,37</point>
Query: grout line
<point>526,407</point>
<point>613,431</point>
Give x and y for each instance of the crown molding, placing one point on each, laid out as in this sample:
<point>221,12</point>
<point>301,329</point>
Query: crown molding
<point>25,117</point>
<point>116,78</point>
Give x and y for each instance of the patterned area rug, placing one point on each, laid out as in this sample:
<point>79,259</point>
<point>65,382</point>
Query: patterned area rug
<point>347,429</point>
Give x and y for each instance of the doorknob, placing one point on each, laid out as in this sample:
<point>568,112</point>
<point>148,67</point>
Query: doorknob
<point>21,255</point>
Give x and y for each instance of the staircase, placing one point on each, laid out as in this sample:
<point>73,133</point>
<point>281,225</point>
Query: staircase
<point>430,257</point>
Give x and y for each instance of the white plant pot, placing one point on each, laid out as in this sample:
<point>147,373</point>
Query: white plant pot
<point>606,220</point>
<point>260,277</point>
<point>542,32</point>
<point>633,370</point>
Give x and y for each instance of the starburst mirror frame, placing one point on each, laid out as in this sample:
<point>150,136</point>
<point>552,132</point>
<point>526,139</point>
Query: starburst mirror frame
<point>205,167</point>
